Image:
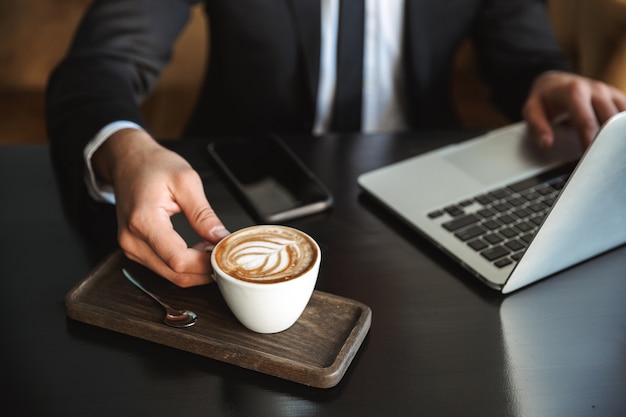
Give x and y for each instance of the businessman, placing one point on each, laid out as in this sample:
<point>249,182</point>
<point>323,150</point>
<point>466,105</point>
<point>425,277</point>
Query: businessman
<point>281,66</point>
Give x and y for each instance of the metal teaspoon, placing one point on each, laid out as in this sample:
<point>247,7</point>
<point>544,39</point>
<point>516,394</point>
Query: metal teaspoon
<point>173,317</point>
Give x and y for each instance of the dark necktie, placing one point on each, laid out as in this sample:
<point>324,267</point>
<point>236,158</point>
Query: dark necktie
<point>347,106</point>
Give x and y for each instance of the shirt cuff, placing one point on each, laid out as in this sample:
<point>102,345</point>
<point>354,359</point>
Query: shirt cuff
<point>99,190</point>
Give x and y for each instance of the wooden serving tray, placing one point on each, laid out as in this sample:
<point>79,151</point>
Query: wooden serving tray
<point>316,351</point>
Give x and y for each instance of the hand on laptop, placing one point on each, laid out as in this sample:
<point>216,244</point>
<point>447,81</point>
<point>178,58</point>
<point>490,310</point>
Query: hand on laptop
<point>587,103</point>
<point>151,184</point>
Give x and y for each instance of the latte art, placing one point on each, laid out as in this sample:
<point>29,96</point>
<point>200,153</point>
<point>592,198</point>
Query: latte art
<point>266,274</point>
<point>266,254</point>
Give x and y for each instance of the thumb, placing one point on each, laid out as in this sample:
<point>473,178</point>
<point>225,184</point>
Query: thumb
<point>191,199</point>
<point>201,216</point>
<point>205,222</point>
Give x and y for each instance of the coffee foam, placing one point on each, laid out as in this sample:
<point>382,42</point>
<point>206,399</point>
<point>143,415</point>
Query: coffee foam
<point>266,254</point>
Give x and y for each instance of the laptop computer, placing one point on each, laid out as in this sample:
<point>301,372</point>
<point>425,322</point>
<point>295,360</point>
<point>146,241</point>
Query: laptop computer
<point>510,212</point>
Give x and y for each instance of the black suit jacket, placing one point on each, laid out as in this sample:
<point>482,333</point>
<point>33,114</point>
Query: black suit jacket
<point>264,63</point>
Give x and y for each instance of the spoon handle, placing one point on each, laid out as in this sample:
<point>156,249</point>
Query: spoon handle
<point>142,288</point>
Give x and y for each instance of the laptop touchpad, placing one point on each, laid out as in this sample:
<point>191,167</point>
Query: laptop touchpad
<point>507,154</point>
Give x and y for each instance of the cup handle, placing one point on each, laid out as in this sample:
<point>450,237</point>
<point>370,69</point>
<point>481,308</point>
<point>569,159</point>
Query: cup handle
<point>209,248</point>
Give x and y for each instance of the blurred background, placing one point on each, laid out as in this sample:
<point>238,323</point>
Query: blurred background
<point>35,34</point>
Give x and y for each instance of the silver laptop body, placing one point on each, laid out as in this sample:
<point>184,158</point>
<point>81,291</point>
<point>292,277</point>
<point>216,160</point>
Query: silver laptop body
<point>587,217</point>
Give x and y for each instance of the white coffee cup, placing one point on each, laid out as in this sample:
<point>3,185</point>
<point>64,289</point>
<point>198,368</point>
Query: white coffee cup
<point>266,274</point>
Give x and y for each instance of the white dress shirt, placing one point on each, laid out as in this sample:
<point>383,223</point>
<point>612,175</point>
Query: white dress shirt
<point>383,81</point>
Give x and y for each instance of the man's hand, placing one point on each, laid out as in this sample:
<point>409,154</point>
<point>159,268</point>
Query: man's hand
<point>587,103</point>
<point>151,184</point>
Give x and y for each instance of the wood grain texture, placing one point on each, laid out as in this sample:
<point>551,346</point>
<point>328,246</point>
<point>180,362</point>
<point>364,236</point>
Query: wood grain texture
<point>316,351</point>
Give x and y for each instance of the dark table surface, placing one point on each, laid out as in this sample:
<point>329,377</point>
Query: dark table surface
<point>440,343</point>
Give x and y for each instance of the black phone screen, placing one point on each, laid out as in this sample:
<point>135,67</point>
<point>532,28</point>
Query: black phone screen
<point>270,177</point>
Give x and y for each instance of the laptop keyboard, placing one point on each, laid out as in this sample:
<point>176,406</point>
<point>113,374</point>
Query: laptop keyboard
<point>501,223</point>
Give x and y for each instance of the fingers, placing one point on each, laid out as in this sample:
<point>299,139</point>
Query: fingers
<point>619,98</point>
<point>591,104</point>
<point>150,239</point>
<point>578,102</point>
<point>586,102</point>
<point>603,103</point>
<point>538,123</point>
<point>181,279</point>
<point>148,192</point>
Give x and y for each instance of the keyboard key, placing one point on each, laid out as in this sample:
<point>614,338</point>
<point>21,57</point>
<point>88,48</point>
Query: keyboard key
<point>486,213</point>
<point>460,222</point>
<point>494,253</point>
<point>545,190</point>
<point>506,219</point>
<point>509,232</point>
<point>454,211</point>
<point>524,185</point>
<point>435,214</point>
<point>501,193</point>
<point>470,233</point>
<point>527,238</point>
<point>477,245</point>
<point>537,220</point>
<point>501,207</point>
<point>531,196</point>
<point>491,224</point>
<point>524,226</point>
<point>517,256</point>
<point>503,262</point>
<point>485,199</point>
<point>493,238</point>
<point>515,245</point>
<point>536,207</point>
<point>522,212</point>
<point>515,201</point>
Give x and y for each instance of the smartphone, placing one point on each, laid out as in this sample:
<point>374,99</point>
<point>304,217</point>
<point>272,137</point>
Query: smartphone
<point>272,181</point>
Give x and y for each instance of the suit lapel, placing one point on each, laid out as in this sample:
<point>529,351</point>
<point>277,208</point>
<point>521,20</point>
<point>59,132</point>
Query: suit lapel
<point>307,17</point>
